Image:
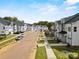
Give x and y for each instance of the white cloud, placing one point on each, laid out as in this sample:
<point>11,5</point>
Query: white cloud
<point>51,12</point>
<point>50,7</point>
<point>71,8</point>
<point>71,2</point>
<point>37,12</point>
<point>47,9</point>
<point>44,9</point>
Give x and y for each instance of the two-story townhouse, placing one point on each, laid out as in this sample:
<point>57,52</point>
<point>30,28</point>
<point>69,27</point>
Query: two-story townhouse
<point>18,27</point>
<point>60,33</point>
<point>5,27</point>
<point>22,25</point>
<point>69,26</point>
<point>29,27</point>
<point>41,28</point>
<point>37,27</point>
<point>58,28</point>
<point>44,28</point>
<point>72,28</point>
<point>25,26</point>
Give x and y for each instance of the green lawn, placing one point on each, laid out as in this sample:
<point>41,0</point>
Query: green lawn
<point>7,37</point>
<point>41,34</point>
<point>41,38</point>
<point>6,41</point>
<point>41,53</point>
<point>62,52</point>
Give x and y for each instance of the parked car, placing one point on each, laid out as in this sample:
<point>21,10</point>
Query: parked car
<point>22,34</point>
<point>19,37</point>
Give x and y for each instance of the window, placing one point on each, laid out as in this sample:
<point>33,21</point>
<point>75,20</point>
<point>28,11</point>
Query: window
<point>3,27</point>
<point>2,32</point>
<point>69,28</point>
<point>75,29</point>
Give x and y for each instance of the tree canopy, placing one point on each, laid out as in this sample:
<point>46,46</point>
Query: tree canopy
<point>45,23</point>
<point>10,18</point>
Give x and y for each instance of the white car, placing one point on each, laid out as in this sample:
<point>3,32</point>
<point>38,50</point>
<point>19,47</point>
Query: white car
<point>19,37</point>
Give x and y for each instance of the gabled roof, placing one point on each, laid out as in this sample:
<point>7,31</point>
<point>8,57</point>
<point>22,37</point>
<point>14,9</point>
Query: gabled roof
<point>59,21</point>
<point>5,22</point>
<point>71,19</point>
<point>18,23</point>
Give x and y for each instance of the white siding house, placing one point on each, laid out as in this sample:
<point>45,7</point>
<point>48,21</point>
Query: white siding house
<point>36,27</point>
<point>19,27</point>
<point>25,26</point>
<point>5,27</point>
<point>58,28</point>
<point>72,28</point>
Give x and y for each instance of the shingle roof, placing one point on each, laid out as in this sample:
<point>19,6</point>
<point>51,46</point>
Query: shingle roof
<point>73,18</point>
<point>19,23</point>
<point>59,22</point>
<point>5,22</point>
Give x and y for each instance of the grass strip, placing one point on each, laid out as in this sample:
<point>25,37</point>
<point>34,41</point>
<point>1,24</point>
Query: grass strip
<point>64,51</point>
<point>6,42</point>
<point>41,53</point>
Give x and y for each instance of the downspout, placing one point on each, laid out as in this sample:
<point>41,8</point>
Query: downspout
<point>55,34</point>
<point>71,33</point>
<point>62,28</point>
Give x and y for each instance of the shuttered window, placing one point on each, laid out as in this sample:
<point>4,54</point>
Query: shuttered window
<point>75,29</point>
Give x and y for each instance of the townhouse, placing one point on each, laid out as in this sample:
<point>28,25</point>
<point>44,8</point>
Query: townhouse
<point>18,27</point>
<point>70,26</point>
<point>5,27</point>
<point>58,31</point>
<point>8,27</point>
<point>40,28</point>
<point>25,26</point>
<point>31,27</point>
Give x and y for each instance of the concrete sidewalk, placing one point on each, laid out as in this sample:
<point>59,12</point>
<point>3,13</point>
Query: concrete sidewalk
<point>50,53</point>
<point>58,44</point>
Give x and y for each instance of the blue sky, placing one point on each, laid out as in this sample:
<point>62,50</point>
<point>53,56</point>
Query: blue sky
<point>38,10</point>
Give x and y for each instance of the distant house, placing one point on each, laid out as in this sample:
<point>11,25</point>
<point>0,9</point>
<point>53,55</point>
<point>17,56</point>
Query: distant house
<point>44,28</point>
<point>5,27</point>
<point>18,27</point>
<point>40,28</point>
<point>31,27</point>
<point>25,26</point>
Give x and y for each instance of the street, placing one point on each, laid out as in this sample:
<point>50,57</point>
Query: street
<point>22,49</point>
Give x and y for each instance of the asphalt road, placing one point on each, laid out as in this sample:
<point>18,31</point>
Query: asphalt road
<point>21,49</point>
